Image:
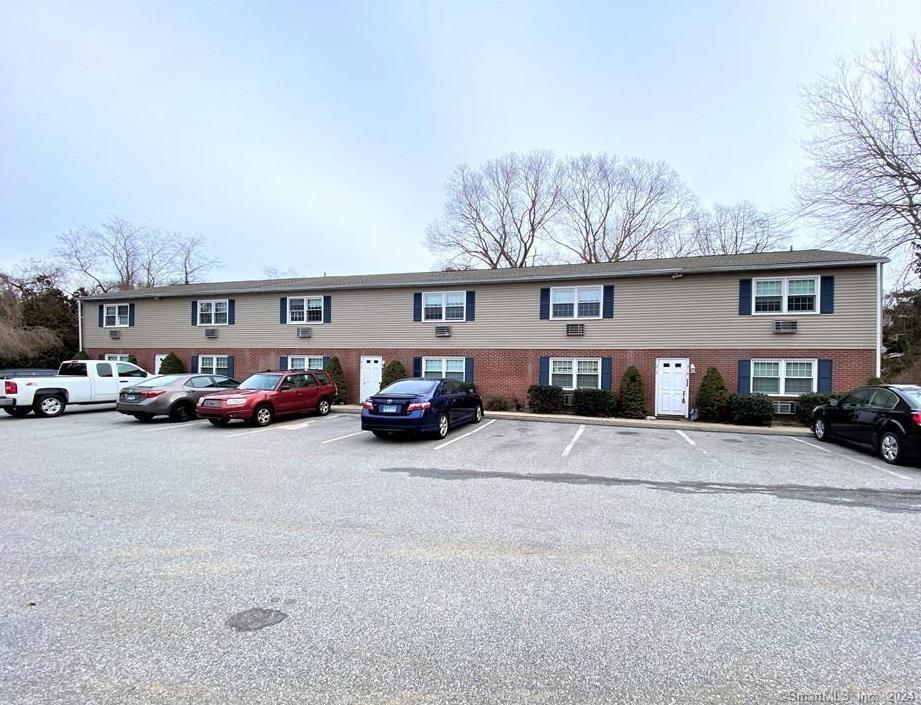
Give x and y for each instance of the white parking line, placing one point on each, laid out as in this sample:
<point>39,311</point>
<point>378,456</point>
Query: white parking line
<point>568,449</point>
<point>169,425</point>
<point>455,440</point>
<point>255,430</point>
<point>297,426</point>
<point>854,460</point>
<point>685,437</point>
<point>348,435</point>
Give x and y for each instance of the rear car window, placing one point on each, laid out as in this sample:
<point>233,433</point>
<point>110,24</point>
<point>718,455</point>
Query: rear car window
<point>200,382</point>
<point>411,386</point>
<point>73,369</point>
<point>322,377</point>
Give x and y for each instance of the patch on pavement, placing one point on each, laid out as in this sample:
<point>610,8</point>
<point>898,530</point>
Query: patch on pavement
<point>254,619</point>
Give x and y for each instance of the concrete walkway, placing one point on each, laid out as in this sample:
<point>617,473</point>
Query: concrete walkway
<point>676,424</point>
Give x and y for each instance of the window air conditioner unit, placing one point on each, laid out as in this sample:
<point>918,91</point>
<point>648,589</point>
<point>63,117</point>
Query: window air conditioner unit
<point>115,334</point>
<point>211,332</point>
<point>784,326</point>
<point>784,407</point>
<point>304,332</point>
<point>575,329</point>
<point>442,331</point>
<point>568,399</point>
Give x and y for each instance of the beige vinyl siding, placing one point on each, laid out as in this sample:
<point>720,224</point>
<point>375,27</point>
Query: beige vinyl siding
<point>694,311</point>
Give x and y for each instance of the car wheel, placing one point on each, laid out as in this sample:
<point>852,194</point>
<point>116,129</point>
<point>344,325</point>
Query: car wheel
<point>821,429</point>
<point>219,422</point>
<point>49,405</point>
<point>181,413</point>
<point>323,407</point>
<point>17,411</point>
<point>442,426</point>
<point>143,418</point>
<point>262,415</point>
<point>892,447</point>
<point>478,414</point>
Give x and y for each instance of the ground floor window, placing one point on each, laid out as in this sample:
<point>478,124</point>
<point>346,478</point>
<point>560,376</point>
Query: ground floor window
<point>783,377</point>
<point>305,362</point>
<point>447,367</point>
<point>213,365</point>
<point>118,357</point>
<point>575,373</point>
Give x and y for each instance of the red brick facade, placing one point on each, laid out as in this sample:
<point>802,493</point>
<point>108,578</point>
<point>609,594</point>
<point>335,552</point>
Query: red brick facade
<point>510,372</point>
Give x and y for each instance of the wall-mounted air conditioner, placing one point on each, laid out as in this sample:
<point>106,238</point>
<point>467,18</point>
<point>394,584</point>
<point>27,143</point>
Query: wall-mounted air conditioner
<point>575,329</point>
<point>785,326</point>
<point>115,334</point>
<point>784,407</point>
<point>211,332</point>
<point>442,331</point>
<point>304,331</point>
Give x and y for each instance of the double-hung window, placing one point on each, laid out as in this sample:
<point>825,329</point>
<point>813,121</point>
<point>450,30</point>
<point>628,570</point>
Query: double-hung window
<point>786,295</point>
<point>305,362</point>
<point>213,365</point>
<point>116,315</point>
<point>575,302</point>
<point>118,357</point>
<point>444,306</point>
<point>213,313</point>
<point>783,377</point>
<point>575,373</point>
<point>305,309</point>
<point>447,367</point>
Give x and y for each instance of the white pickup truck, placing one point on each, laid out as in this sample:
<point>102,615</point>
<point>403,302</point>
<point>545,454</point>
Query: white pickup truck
<point>77,382</point>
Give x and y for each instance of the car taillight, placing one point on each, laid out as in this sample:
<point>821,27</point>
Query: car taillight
<point>367,405</point>
<point>151,393</point>
<point>419,406</point>
<point>916,417</point>
<point>10,387</point>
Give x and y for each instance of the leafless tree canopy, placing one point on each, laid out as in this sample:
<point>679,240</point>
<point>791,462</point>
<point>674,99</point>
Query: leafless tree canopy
<point>865,179</point>
<point>17,340</point>
<point>122,255</point>
<point>494,216</point>
<point>733,230</point>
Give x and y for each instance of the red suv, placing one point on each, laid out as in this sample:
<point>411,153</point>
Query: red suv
<point>263,396</point>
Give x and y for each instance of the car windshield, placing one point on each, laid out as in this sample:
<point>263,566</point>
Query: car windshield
<point>263,382</point>
<point>411,386</point>
<point>161,381</point>
<point>913,395</point>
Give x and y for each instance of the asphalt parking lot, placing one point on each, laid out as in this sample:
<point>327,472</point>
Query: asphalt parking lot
<point>514,562</point>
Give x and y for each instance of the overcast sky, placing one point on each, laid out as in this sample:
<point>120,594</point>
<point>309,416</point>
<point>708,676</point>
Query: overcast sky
<point>318,136</point>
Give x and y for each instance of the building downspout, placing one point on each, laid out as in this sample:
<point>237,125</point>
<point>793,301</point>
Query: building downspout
<point>80,325</point>
<point>879,319</point>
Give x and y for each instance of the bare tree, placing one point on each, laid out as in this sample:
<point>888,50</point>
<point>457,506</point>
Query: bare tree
<point>865,180</point>
<point>121,255</point>
<point>732,230</point>
<point>496,215</point>
<point>615,209</point>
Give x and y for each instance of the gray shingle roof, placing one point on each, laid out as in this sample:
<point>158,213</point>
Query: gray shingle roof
<point>546,273</point>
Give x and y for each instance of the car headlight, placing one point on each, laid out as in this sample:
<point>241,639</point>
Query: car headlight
<point>236,401</point>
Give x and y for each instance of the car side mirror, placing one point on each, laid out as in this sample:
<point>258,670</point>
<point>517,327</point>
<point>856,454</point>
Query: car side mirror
<point>833,402</point>
<point>285,387</point>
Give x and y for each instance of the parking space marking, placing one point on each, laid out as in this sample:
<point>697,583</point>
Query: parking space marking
<point>568,449</point>
<point>339,438</point>
<point>167,425</point>
<point>298,426</point>
<point>854,460</point>
<point>460,438</point>
<point>686,437</point>
<point>256,430</point>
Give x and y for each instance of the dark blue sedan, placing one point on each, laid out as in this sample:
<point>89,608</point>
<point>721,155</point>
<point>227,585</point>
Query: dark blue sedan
<point>421,405</point>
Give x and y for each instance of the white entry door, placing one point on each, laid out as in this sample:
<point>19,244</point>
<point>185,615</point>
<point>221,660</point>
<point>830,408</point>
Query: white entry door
<point>372,368</point>
<point>672,376</point>
<point>158,360</point>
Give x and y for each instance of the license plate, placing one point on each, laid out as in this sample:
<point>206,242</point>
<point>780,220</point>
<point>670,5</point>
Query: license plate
<point>131,397</point>
<point>212,402</point>
<point>389,408</point>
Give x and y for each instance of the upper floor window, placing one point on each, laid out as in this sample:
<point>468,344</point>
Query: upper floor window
<point>575,302</point>
<point>117,315</point>
<point>305,362</point>
<point>213,313</point>
<point>783,377</point>
<point>574,373</point>
<point>786,295</point>
<point>444,367</point>
<point>445,306</point>
<point>305,309</point>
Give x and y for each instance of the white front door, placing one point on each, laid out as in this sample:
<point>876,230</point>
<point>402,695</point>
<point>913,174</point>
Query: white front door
<point>158,360</point>
<point>672,376</point>
<point>372,368</point>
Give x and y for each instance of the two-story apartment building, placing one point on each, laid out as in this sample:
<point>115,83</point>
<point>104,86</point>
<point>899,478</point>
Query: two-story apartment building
<point>781,323</point>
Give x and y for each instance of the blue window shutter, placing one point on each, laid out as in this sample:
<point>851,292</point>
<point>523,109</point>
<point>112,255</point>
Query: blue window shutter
<point>283,362</point>
<point>417,367</point>
<point>325,361</point>
<point>327,309</point>
<point>230,370</point>
<point>745,297</point>
<point>130,314</point>
<point>231,311</point>
<point>471,305</point>
<point>745,370</point>
<point>544,304</point>
<point>195,319</point>
<point>468,369</point>
<point>543,371</point>
<point>827,304</point>
<point>283,309</point>
<point>417,307</point>
<point>193,364</point>
<point>607,306</point>
<point>607,366</point>
<point>101,314</point>
<point>825,373</point>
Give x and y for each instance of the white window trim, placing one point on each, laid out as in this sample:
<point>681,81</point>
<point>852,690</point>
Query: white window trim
<point>783,376</point>
<point>784,295</point>
<point>105,315</point>
<point>575,370</point>
<point>305,358</point>
<point>117,357</point>
<point>575,305</point>
<point>212,302</point>
<point>444,307</point>
<point>444,366</point>
<point>306,322</point>
<point>214,368</point>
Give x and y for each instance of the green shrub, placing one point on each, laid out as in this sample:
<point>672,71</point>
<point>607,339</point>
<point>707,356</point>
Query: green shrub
<point>393,371</point>
<point>334,370</point>
<point>807,402</point>
<point>545,398</point>
<point>81,355</point>
<point>751,409</point>
<point>171,365</point>
<point>631,398</point>
<point>499,402</point>
<point>874,380</point>
<point>594,402</point>
<point>132,359</point>
<point>713,397</point>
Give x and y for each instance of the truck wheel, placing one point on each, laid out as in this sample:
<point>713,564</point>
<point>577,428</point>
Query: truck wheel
<point>49,405</point>
<point>17,411</point>
<point>181,413</point>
